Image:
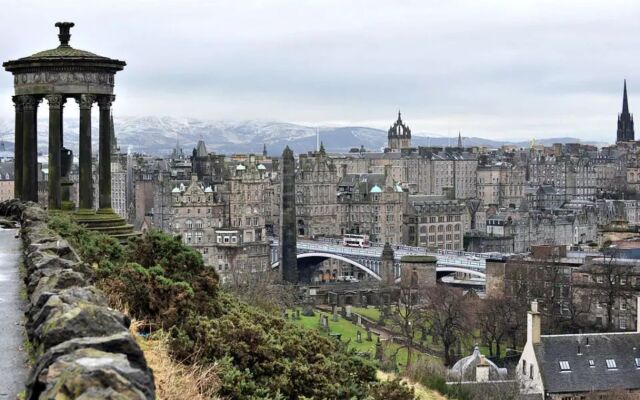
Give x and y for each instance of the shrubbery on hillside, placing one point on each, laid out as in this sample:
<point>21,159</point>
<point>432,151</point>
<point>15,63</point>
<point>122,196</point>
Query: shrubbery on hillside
<point>258,356</point>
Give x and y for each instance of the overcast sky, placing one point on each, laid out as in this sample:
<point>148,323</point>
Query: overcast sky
<point>497,69</point>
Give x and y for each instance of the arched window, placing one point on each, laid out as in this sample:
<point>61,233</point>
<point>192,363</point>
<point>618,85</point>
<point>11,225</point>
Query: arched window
<point>189,224</point>
<point>432,229</point>
<point>440,228</point>
<point>199,224</point>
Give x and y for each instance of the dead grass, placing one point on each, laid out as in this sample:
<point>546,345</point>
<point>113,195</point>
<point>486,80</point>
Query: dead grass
<point>175,381</point>
<point>421,392</point>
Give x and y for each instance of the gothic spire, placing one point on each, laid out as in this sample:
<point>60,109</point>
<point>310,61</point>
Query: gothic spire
<point>459,140</point>
<point>625,102</point>
<point>625,131</point>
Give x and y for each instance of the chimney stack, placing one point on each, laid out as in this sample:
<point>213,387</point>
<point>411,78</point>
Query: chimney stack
<point>482,370</point>
<point>533,324</point>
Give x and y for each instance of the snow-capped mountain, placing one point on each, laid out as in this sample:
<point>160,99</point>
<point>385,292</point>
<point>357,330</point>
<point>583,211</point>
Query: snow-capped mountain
<point>158,135</point>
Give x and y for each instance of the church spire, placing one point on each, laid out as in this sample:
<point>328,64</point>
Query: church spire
<point>625,102</point>
<point>459,140</point>
<point>625,120</point>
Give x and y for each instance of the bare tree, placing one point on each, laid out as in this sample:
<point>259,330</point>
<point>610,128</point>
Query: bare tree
<point>497,318</point>
<point>447,315</point>
<point>610,283</point>
<point>262,289</point>
<point>407,315</point>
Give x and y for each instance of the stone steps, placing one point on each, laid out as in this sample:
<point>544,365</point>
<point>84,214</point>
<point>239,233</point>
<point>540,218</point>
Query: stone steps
<point>107,222</point>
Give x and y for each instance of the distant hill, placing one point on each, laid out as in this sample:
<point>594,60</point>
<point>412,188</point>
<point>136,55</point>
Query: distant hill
<point>158,135</point>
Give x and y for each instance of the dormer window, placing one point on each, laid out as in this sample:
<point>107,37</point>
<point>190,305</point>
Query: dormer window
<point>611,364</point>
<point>564,366</point>
<point>592,364</point>
<point>637,362</point>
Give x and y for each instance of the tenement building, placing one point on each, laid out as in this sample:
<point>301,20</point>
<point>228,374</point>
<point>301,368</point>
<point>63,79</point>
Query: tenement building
<point>316,201</point>
<point>371,204</point>
<point>435,222</point>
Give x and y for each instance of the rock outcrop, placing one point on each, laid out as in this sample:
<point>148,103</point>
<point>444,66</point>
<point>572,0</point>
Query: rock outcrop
<point>84,348</point>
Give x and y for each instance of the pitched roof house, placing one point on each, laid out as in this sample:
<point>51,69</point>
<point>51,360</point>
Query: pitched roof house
<point>567,367</point>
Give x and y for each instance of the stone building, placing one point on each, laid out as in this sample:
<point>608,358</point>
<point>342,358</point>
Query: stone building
<point>229,236</point>
<point>610,286</point>
<point>371,204</point>
<point>435,222</point>
<point>544,275</point>
<point>209,167</point>
<point>6,180</point>
<point>500,184</point>
<point>574,366</point>
<point>316,201</point>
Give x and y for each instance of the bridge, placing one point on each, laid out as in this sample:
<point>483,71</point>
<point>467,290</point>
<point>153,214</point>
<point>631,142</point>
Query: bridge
<point>368,259</point>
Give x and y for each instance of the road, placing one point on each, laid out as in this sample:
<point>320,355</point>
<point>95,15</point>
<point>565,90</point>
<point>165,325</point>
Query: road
<point>13,368</point>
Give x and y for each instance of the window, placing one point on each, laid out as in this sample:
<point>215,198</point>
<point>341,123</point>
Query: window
<point>637,362</point>
<point>564,366</point>
<point>592,364</point>
<point>524,367</point>
<point>611,364</point>
<point>623,323</point>
<point>623,305</point>
<point>531,371</point>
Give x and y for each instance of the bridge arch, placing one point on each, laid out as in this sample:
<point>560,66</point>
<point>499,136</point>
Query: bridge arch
<point>449,268</point>
<point>335,257</point>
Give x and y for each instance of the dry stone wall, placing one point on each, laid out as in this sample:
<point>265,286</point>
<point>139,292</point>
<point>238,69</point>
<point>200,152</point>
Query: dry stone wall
<point>84,348</point>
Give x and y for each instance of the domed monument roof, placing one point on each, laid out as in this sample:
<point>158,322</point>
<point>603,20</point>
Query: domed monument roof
<point>64,52</point>
<point>465,368</point>
<point>64,69</point>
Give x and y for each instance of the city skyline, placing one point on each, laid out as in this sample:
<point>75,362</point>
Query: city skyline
<point>506,72</point>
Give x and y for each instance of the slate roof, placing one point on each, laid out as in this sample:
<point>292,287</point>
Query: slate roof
<point>624,348</point>
<point>6,171</point>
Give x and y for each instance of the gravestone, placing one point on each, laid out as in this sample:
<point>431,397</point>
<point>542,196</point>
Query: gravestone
<point>324,323</point>
<point>358,337</point>
<point>369,334</point>
<point>379,353</point>
<point>297,313</point>
<point>285,315</point>
<point>348,311</point>
<point>359,320</point>
<point>308,310</point>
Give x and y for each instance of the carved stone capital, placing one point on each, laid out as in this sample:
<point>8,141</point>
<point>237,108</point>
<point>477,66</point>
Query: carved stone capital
<point>55,100</point>
<point>86,101</point>
<point>18,102</point>
<point>104,102</point>
<point>30,103</point>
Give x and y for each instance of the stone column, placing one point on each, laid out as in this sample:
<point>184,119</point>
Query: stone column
<point>104,166</point>
<point>56,102</point>
<point>17,158</point>
<point>288,234</point>
<point>85,187</point>
<point>30,148</point>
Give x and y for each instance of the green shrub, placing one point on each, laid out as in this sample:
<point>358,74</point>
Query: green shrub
<point>259,356</point>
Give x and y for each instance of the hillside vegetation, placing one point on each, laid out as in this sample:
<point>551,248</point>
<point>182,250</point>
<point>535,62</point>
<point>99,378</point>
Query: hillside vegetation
<point>158,280</point>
